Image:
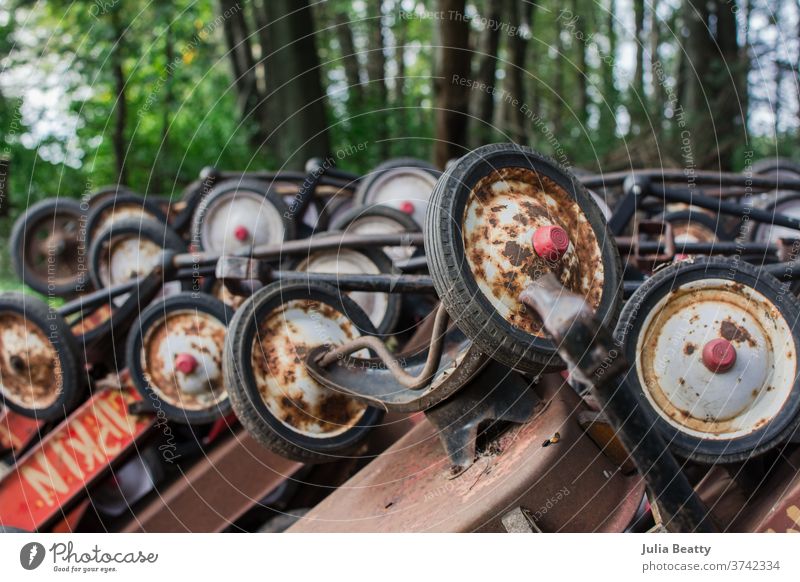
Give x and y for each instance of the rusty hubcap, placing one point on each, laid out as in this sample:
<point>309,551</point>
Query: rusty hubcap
<point>126,257</point>
<point>504,213</point>
<point>716,359</point>
<point>182,359</point>
<point>30,370</point>
<point>351,262</point>
<point>289,392</point>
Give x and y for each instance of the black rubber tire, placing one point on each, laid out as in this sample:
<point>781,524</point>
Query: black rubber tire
<point>223,188</point>
<point>191,196</point>
<point>369,180</point>
<point>245,397</point>
<point>784,197</point>
<point>150,206</point>
<point>20,232</point>
<point>343,221</point>
<point>780,428</point>
<point>766,166</point>
<point>468,307</point>
<point>50,322</point>
<point>153,314</point>
<point>108,191</point>
<point>376,256</point>
<point>148,229</point>
<point>715,225</point>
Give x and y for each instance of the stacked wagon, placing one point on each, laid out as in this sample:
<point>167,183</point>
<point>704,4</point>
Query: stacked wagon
<point>500,298</point>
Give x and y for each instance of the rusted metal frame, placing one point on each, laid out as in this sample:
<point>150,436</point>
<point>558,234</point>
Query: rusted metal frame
<point>303,247</point>
<point>627,244</point>
<point>688,196</point>
<point>391,362</point>
<point>336,178</point>
<point>589,349</point>
<point>382,283</point>
<point>698,178</point>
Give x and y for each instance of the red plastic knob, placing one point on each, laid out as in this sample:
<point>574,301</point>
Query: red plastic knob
<point>186,363</point>
<point>241,233</point>
<point>719,355</point>
<point>550,242</point>
<point>407,207</point>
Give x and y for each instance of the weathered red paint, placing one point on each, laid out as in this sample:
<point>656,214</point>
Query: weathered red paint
<point>70,458</point>
<point>17,431</point>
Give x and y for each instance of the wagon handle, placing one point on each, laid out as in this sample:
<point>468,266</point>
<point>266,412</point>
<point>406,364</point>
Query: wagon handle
<point>592,356</point>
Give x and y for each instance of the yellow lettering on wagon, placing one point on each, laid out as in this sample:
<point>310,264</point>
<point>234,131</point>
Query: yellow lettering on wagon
<point>43,480</point>
<point>66,458</point>
<point>84,444</point>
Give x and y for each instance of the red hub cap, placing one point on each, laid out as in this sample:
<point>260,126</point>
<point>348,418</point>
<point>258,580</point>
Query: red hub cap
<point>407,207</point>
<point>719,355</point>
<point>550,242</point>
<point>186,363</point>
<point>241,233</point>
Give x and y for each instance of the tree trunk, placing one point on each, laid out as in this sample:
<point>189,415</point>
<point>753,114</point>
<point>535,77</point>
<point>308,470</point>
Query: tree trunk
<point>482,101</point>
<point>656,69</point>
<point>166,108</point>
<point>240,50</point>
<point>376,74</point>
<point>452,99</point>
<point>295,69</point>
<point>352,69</point>
<point>520,14</point>
<point>121,108</point>
<point>399,99</point>
<point>582,104</point>
<point>713,85</point>
<point>637,99</point>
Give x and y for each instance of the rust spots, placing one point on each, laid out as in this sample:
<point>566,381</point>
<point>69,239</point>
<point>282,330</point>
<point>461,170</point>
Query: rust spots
<point>689,348</point>
<point>733,332</point>
<point>517,255</point>
<point>30,371</point>
<point>502,213</point>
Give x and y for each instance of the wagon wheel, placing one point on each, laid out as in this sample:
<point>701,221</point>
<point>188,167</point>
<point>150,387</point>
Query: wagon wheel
<point>271,391</point>
<point>767,166</point>
<point>715,358</point>
<point>383,309</point>
<point>123,206</point>
<point>692,226</point>
<point>239,214</point>
<point>129,249</point>
<point>379,219</point>
<point>405,184</point>
<point>501,217</point>
<point>174,354</point>
<point>46,245</point>
<point>785,204</point>
<point>103,193</point>
<point>39,374</point>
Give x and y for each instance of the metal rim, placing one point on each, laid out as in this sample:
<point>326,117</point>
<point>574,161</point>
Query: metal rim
<point>455,281</point>
<point>502,213</point>
<point>284,336</point>
<point>351,262</point>
<point>741,306</point>
<point>240,219</point>
<point>30,368</point>
<point>398,187</point>
<point>58,237</point>
<point>383,225</point>
<point>786,206</point>
<point>684,391</point>
<point>125,257</point>
<point>181,336</point>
